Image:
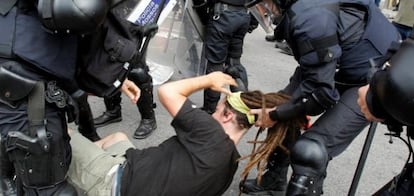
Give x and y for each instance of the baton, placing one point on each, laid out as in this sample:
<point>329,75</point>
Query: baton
<point>362,158</point>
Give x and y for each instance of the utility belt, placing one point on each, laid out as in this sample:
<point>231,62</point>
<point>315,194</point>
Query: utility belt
<point>220,7</point>
<point>37,160</point>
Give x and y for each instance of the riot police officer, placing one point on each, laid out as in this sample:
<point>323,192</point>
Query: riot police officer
<point>333,63</point>
<point>38,53</point>
<point>226,28</point>
<point>377,103</point>
<point>145,104</point>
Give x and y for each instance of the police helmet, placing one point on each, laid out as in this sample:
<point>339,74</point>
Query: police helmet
<point>394,88</point>
<point>78,16</point>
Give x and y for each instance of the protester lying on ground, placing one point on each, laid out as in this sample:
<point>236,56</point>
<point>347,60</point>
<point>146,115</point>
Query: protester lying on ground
<point>200,160</point>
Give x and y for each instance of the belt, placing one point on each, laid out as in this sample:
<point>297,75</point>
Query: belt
<point>225,6</point>
<point>220,7</point>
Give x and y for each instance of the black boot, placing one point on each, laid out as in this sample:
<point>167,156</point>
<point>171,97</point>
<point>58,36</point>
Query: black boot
<point>113,112</point>
<point>270,38</point>
<point>273,182</point>
<point>305,185</point>
<point>283,45</point>
<point>146,107</point>
<point>145,128</point>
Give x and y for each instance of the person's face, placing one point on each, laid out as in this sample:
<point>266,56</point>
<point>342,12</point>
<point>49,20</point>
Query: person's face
<point>219,110</point>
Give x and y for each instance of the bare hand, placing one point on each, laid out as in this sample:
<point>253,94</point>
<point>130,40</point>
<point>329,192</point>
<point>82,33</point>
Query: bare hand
<point>362,93</point>
<point>131,90</point>
<point>220,80</point>
<point>263,118</point>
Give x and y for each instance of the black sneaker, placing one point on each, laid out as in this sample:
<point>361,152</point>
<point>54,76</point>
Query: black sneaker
<point>145,128</point>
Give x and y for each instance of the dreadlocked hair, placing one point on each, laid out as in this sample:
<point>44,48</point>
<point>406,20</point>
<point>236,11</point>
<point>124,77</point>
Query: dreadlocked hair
<point>275,135</point>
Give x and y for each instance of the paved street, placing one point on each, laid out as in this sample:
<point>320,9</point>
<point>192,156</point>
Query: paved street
<point>269,70</point>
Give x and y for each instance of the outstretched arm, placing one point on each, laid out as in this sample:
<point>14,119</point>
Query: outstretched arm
<point>173,94</point>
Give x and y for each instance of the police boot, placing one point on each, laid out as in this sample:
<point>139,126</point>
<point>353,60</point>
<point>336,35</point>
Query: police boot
<point>305,185</point>
<point>113,111</point>
<point>309,162</point>
<point>270,38</point>
<point>146,107</point>
<point>283,45</point>
<point>273,182</point>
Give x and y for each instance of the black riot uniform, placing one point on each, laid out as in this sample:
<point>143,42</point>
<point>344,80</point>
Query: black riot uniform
<point>333,63</point>
<point>387,85</point>
<point>38,53</point>
<point>141,77</point>
<point>228,24</point>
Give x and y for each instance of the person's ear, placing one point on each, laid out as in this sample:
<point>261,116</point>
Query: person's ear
<point>228,116</point>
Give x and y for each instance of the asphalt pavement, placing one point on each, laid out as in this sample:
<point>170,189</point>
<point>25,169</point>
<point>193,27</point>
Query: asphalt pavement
<point>269,70</point>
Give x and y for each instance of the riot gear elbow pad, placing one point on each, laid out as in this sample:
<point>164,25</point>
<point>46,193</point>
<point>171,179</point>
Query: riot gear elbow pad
<point>77,16</point>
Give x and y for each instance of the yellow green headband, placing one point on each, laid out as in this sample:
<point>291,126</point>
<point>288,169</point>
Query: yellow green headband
<point>236,102</point>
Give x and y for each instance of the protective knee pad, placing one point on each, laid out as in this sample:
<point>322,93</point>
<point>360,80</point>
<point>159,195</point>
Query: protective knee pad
<point>242,73</point>
<point>140,76</point>
<point>212,67</point>
<point>309,157</point>
<point>309,161</point>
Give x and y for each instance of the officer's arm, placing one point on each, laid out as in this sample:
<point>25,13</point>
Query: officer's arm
<point>317,53</point>
<point>174,94</point>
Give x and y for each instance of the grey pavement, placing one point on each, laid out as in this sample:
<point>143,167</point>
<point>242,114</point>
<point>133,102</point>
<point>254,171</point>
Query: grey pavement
<point>269,70</point>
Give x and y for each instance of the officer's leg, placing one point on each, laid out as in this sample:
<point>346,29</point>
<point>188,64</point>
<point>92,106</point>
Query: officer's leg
<point>274,180</point>
<point>85,119</point>
<point>216,51</point>
<point>113,111</point>
<point>211,97</point>
<point>329,136</point>
<point>309,161</point>
<point>235,49</point>
<point>142,78</point>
